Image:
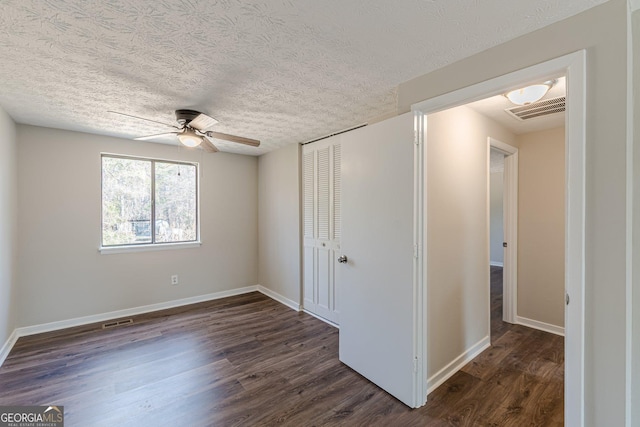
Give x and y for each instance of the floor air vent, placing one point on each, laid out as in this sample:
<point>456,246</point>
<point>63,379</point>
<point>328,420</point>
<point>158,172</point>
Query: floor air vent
<point>116,323</point>
<point>538,109</point>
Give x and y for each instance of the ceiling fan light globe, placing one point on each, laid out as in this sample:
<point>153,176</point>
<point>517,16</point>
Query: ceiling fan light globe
<point>190,139</point>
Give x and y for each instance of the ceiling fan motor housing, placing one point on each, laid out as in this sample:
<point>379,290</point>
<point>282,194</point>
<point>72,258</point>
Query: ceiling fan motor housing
<point>184,117</point>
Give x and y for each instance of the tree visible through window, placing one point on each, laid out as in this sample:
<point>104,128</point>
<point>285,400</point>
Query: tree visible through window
<point>147,201</point>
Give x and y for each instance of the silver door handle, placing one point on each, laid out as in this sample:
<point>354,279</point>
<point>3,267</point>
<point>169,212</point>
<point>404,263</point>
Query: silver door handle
<point>342,259</point>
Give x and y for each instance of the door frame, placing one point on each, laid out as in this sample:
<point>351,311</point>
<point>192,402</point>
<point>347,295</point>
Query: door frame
<point>510,228</point>
<point>573,66</point>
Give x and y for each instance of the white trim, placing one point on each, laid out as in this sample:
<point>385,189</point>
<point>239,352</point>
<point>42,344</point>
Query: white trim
<point>510,224</point>
<point>631,375</point>
<point>502,147</point>
<point>420,383</point>
<point>575,119</point>
<point>510,228</point>
<point>573,66</point>
<point>8,345</point>
<point>487,237</point>
<point>281,299</point>
<point>108,250</point>
<point>95,318</point>
<point>541,326</point>
<point>456,364</point>
<point>328,322</point>
<point>496,264</point>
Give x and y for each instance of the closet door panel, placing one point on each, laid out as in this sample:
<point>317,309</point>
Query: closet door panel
<point>321,226</point>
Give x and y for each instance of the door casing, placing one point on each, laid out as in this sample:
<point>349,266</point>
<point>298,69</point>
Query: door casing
<point>510,275</point>
<point>573,66</point>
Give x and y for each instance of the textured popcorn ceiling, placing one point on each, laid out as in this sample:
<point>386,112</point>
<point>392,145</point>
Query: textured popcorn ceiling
<point>278,71</point>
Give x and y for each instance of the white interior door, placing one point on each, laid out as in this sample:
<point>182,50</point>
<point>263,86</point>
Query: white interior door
<point>377,281</point>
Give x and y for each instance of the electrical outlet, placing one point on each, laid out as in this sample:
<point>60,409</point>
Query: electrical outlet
<point>174,279</point>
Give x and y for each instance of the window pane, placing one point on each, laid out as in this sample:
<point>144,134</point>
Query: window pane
<point>176,205</point>
<point>126,201</point>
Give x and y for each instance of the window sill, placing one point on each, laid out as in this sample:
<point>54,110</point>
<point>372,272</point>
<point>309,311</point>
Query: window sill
<point>147,248</point>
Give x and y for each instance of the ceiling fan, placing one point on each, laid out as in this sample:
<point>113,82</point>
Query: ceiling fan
<point>192,130</point>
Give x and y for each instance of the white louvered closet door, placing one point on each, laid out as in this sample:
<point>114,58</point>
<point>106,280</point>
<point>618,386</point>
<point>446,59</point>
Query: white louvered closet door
<point>321,213</point>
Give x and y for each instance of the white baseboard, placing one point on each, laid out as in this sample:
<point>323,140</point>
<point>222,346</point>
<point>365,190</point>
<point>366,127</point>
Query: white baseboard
<point>8,345</point>
<point>496,264</point>
<point>535,324</point>
<point>95,318</point>
<point>79,321</point>
<point>281,299</point>
<point>456,364</point>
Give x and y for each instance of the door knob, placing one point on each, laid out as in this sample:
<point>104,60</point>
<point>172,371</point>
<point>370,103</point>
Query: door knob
<point>342,259</point>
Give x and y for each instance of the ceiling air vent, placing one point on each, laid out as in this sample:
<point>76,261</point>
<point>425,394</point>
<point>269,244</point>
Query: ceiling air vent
<point>538,109</point>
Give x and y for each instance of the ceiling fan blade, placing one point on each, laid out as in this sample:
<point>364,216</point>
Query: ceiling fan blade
<point>142,118</point>
<point>208,146</point>
<point>202,122</point>
<point>144,138</point>
<point>233,138</point>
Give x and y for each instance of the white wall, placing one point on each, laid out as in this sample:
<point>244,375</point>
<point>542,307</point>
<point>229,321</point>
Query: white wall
<point>62,274</point>
<point>279,223</point>
<point>457,232</point>
<point>496,227</point>
<point>541,226</point>
<point>603,32</point>
<point>8,185</point>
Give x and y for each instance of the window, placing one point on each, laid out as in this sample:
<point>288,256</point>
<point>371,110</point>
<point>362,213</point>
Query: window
<point>148,202</point>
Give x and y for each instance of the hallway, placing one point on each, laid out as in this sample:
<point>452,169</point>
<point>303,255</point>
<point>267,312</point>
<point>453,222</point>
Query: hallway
<point>518,381</point>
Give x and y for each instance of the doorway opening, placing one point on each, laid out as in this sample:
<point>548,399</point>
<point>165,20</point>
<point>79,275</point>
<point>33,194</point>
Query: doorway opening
<point>573,67</point>
<point>503,218</point>
<point>497,244</point>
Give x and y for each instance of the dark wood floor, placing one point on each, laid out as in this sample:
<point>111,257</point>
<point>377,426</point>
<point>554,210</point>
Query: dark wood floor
<point>248,360</point>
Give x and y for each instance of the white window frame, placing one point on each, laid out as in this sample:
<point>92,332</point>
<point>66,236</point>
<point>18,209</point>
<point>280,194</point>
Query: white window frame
<point>153,245</point>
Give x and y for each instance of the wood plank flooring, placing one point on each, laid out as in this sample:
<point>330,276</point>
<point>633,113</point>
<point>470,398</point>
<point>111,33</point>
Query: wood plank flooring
<point>250,361</point>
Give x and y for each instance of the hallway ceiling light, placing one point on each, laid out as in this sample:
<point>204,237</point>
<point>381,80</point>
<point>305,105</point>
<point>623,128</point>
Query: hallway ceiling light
<point>529,94</point>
